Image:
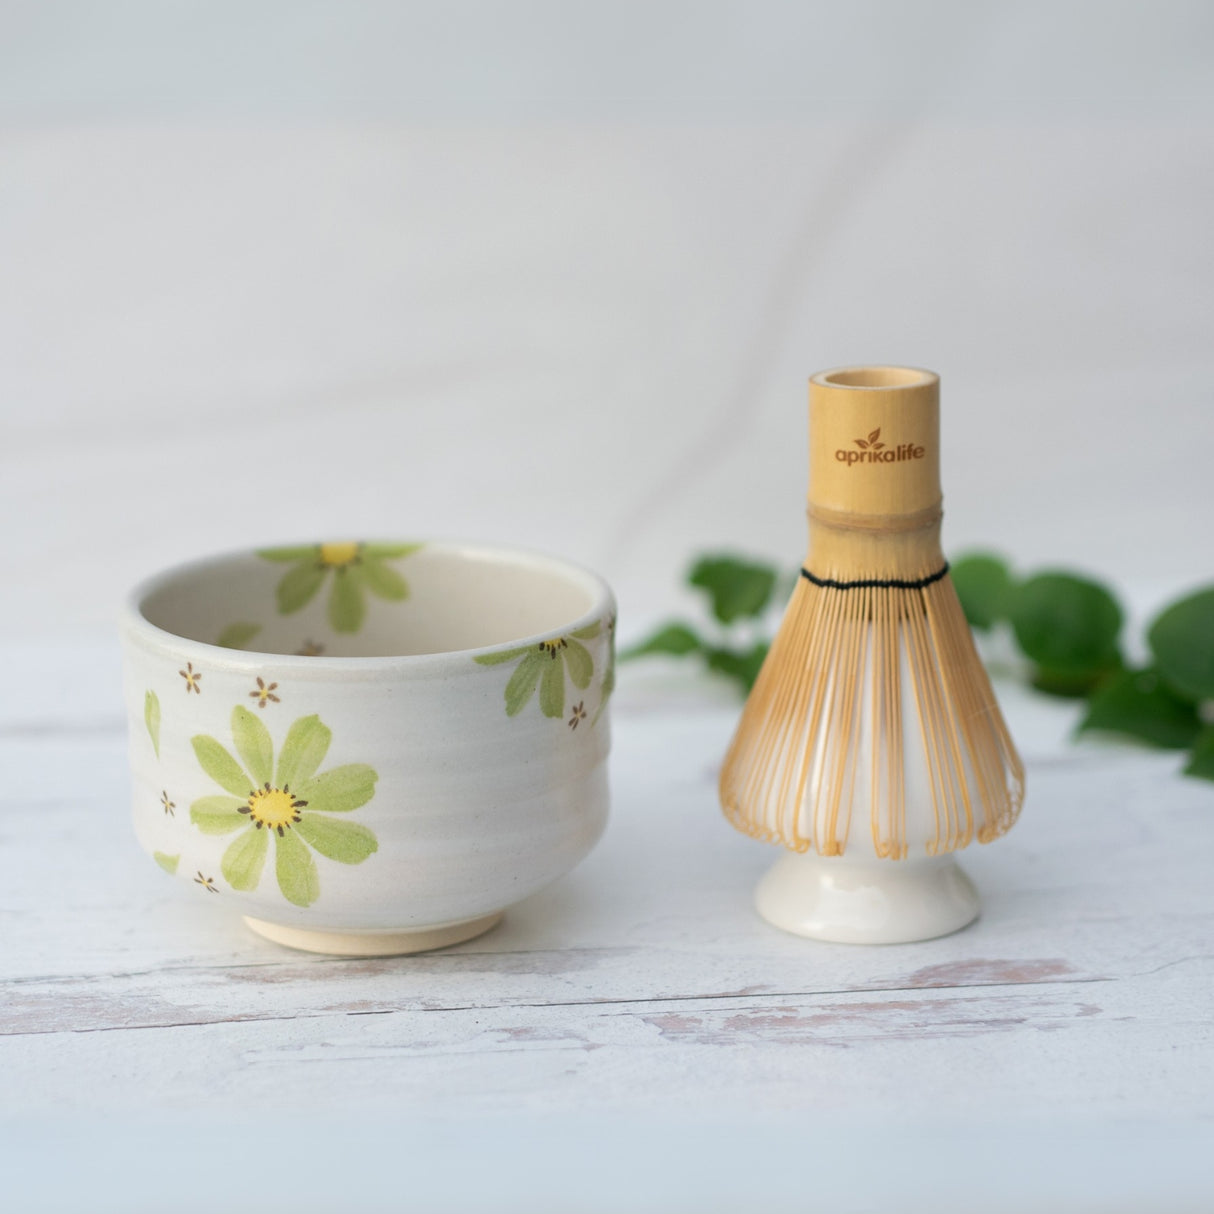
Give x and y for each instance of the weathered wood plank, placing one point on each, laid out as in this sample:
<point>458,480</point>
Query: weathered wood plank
<point>573,978</point>
<point>1004,1050</point>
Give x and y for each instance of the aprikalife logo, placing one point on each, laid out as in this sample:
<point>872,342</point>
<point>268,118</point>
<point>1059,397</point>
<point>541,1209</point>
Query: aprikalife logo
<point>873,451</point>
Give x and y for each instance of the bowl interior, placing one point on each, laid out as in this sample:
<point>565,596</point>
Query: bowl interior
<point>353,599</point>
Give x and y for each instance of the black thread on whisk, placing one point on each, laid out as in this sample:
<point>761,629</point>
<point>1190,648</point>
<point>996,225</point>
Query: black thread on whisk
<point>879,583</point>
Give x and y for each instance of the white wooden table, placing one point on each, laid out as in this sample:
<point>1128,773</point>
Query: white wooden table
<point>633,1038</point>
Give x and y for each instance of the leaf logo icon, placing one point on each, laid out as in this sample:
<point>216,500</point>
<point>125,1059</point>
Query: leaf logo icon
<point>874,451</point>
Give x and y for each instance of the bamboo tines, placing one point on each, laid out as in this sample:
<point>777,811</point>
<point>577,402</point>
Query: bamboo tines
<point>873,716</point>
<point>883,695</point>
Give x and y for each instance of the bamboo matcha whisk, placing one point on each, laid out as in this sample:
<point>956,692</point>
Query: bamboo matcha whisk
<point>872,733</point>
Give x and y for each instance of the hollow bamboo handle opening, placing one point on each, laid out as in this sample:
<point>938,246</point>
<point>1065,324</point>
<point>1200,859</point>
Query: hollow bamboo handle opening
<point>874,441</point>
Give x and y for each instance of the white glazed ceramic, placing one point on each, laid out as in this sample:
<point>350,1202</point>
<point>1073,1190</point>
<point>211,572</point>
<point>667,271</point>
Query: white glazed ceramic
<point>866,902</point>
<point>370,748</point>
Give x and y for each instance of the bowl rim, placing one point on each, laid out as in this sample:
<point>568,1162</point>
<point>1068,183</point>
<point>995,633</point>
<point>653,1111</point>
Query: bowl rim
<point>136,627</point>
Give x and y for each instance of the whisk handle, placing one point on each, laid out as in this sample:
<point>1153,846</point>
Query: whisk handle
<point>874,441</point>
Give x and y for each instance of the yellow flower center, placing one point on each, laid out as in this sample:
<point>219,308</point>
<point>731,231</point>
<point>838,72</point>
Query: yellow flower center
<point>273,808</point>
<point>338,556</point>
<point>550,647</point>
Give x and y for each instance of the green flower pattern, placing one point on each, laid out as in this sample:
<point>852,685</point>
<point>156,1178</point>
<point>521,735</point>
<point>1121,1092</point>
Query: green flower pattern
<point>356,570</point>
<point>151,718</point>
<point>609,674</point>
<point>287,799</point>
<point>545,666</point>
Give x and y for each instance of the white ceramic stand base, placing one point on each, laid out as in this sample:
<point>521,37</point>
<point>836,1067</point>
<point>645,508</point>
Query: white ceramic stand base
<point>866,902</point>
<point>375,944</point>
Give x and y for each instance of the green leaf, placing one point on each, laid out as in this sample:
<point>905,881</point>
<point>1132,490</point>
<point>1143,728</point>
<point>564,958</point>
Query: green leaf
<point>245,858</point>
<point>676,639</point>
<point>218,815</point>
<point>295,869</point>
<point>298,586</point>
<point>151,718</point>
<point>347,606</point>
<point>380,552</point>
<point>505,655</point>
<point>167,862</point>
<point>1140,704</point>
<point>589,632</point>
<point>1201,760</point>
<point>253,744</point>
<point>287,555</point>
<point>737,588</point>
<point>552,687</point>
<point>1182,640</point>
<point>1066,684</point>
<point>740,665</point>
<point>982,582</point>
<point>522,682</point>
<point>238,635</point>
<point>579,663</point>
<point>214,759</point>
<point>304,750</point>
<point>346,842</point>
<point>1067,625</point>
<point>383,582</point>
<point>340,789</point>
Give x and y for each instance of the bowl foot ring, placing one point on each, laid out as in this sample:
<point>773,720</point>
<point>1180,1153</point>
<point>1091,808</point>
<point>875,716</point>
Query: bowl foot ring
<point>375,943</point>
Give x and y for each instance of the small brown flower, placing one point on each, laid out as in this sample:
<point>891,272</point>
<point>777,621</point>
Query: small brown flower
<point>191,677</point>
<point>265,692</point>
<point>169,806</point>
<point>579,714</point>
<point>207,883</point>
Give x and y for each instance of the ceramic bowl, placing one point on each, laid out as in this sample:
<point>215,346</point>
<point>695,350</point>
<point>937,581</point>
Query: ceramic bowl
<point>369,748</point>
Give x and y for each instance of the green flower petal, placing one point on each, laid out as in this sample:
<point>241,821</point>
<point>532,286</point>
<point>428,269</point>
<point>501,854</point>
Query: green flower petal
<point>288,555</point>
<point>346,842</point>
<point>220,766</point>
<point>383,582</point>
<point>295,869</point>
<point>299,585</point>
<point>167,862</point>
<point>589,632</point>
<point>347,607</point>
<point>340,789</point>
<point>151,718</point>
<point>253,744</point>
<point>245,858</point>
<point>552,688</point>
<point>580,664</point>
<point>522,682</point>
<point>379,552</point>
<point>506,655</point>
<point>304,750</point>
<point>218,815</point>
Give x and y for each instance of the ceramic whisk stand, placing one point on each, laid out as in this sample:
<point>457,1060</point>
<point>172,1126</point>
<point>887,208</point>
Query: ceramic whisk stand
<point>871,746</point>
<point>852,902</point>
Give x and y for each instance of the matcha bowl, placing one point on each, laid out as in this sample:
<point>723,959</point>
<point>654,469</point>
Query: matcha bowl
<point>369,748</point>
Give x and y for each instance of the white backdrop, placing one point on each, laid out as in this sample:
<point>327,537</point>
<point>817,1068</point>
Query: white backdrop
<point>557,275</point>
